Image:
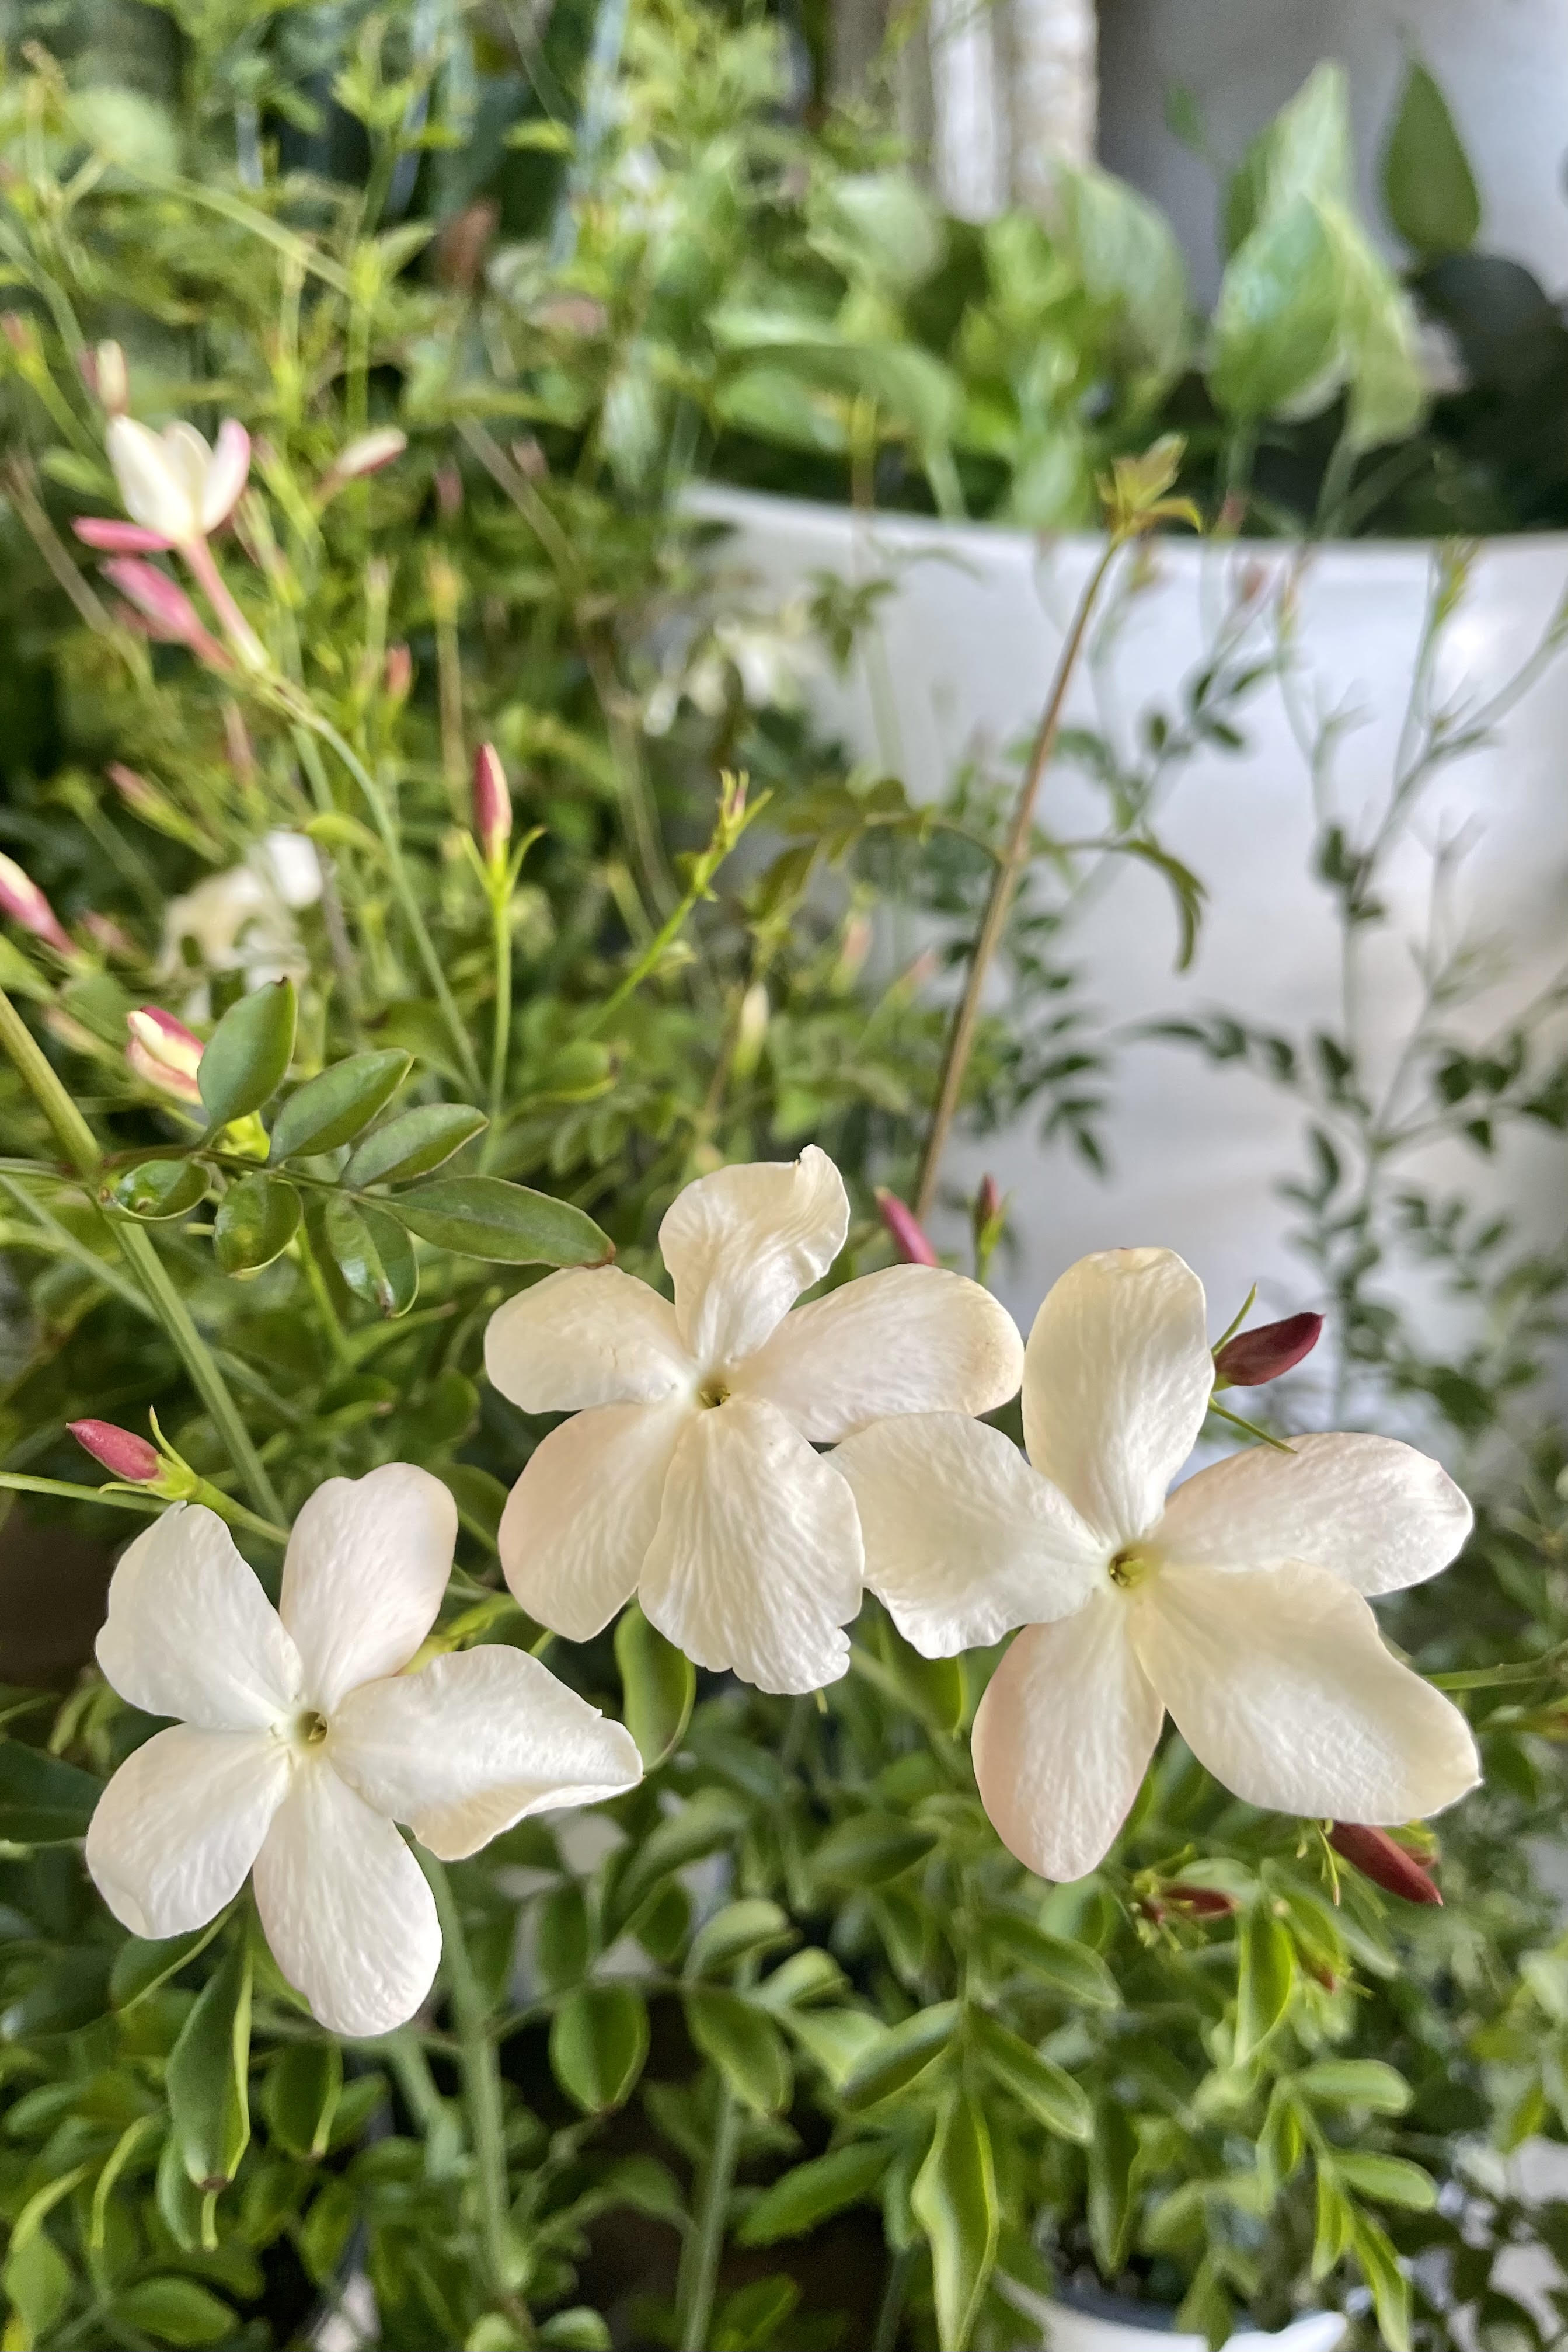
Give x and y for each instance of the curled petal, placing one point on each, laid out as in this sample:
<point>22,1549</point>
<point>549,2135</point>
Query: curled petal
<point>364,1576</point>
<point>1063,1737</point>
<point>756,1562</point>
<point>1281,1686</point>
<point>964,1541</point>
<point>473,1742</point>
<point>1377,1512</point>
<point>181,1822</point>
<point>578,1523</point>
<point>226,475</point>
<point>913,1339</point>
<point>1117,1380</point>
<point>113,538</point>
<point>158,484</point>
<point>190,1632</point>
<point>742,1244</point>
<point>346,1908</point>
<point>586,1336</point>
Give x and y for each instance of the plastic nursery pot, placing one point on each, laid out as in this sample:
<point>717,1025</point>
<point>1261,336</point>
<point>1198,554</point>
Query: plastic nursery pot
<point>1113,2323</point>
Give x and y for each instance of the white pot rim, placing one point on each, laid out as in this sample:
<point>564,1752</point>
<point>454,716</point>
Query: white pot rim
<point>1071,2328</point>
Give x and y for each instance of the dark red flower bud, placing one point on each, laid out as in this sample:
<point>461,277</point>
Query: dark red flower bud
<point>1199,1902</point>
<point>1375,1854</point>
<point>1254,1357</point>
<point>122,1453</point>
<point>909,1239</point>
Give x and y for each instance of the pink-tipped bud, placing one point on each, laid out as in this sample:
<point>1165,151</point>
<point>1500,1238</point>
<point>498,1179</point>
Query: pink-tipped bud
<point>368,455</point>
<point>112,537</point>
<point>398,673</point>
<point>529,459</point>
<point>908,1240</point>
<point>21,899</point>
<point>1253,1356</point>
<point>103,372</point>
<point>1376,1855</point>
<point>109,937</point>
<point>122,1453</point>
<point>989,1201</point>
<point>492,804</point>
<point>237,739</point>
<point>135,790</point>
<point>163,1052</point>
<point>163,606</point>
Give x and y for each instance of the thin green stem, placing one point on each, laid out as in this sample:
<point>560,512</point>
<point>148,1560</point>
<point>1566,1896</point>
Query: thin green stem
<point>481,2085</point>
<point>500,1036</point>
<point>699,2280</point>
<point>890,2315</point>
<point>960,1038</point>
<point>81,1148</point>
<point>16,1482</point>
<point>650,958</point>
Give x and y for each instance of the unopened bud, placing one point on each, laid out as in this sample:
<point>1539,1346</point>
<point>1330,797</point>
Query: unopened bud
<point>163,1052</point>
<point>909,1239</point>
<point>492,805</point>
<point>397,673</point>
<point>19,332</point>
<point>236,736</point>
<point>164,607</point>
<point>109,936</point>
<point>462,242</point>
<point>1378,1857</point>
<point>1199,1902</point>
<point>122,1453</point>
<point>367,454</point>
<point>106,375</point>
<point>529,459</point>
<point>448,493</point>
<point>21,899</point>
<point>1251,1358</point>
<point>750,1029</point>
<point>854,948</point>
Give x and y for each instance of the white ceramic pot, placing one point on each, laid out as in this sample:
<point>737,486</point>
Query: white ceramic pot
<point>956,667</point>
<point>1069,2330</point>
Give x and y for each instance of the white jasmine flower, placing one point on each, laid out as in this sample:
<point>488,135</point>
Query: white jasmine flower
<point>688,1473</point>
<point>172,483</point>
<point>771,657</point>
<point>301,1741</point>
<point>1237,1604</point>
<point>243,920</point>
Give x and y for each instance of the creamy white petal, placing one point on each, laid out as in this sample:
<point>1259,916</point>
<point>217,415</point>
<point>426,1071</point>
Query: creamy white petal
<point>181,1822</point>
<point>588,1336</point>
<point>964,1541</point>
<point>742,1244</point>
<point>1280,1685</point>
<point>913,1339</point>
<point>1063,1737</point>
<point>366,1569</point>
<point>226,474</point>
<point>190,1632</point>
<point>188,456</point>
<point>472,1742</point>
<point>756,1562</point>
<point>1117,1378</point>
<point>1377,1512</point>
<point>345,1907</point>
<point>152,486</point>
<point>578,1523</point>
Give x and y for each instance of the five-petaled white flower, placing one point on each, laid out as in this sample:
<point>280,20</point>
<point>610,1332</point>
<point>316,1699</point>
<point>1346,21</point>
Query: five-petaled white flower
<point>688,1473</point>
<point>1237,1604</point>
<point>176,489</point>
<point>301,1741</point>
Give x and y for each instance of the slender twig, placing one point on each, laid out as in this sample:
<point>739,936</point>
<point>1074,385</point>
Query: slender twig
<point>481,2085</point>
<point>960,1039</point>
<point>699,2279</point>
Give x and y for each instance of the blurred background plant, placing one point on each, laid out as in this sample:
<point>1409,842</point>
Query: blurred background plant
<point>791,2053</point>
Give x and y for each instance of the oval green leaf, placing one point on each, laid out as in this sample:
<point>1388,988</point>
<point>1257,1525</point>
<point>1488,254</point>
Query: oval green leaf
<point>299,2098</point>
<point>599,2042</point>
<point>954,2201</point>
<point>813,2192</point>
<point>414,1143</point>
<point>373,1254</point>
<point>1427,183</point>
<point>659,1684</point>
<point>486,1217</point>
<point>746,2046</point>
<point>870,1848</point>
<point>256,1220</point>
<point>159,1189</point>
<point>331,1109</point>
<point>43,1799</point>
<point>898,2056</point>
<point>247,1055</point>
<point>207,2077</point>
<point>1044,2090</point>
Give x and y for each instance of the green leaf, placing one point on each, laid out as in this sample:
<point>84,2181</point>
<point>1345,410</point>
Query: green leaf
<point>1354,2082</point>
<point>870,1848</point>
<point>331,1109</point>
<point>599,2042</point>
<point>175,2310</point>
<point>1427,183</point>
<point>207,2077</point>
<point>659,1684</point>
<point>1049,2094</point>
<point>1266,1978</point>
<point>413,1143</point>
<point>746,2046</point>
<point>1388,2180</point>
<point>1130,260</point>
<point>38,2281</point>
<point>299,2098</point>
<point>749,2318</point>
<point>1277,317</point>
<point>812,2192</point>
<point>142,1966</point>
<point>710,1820</point>
<point>900,2055</point>
<point>247,1055</point>
<point>1112,2153</point>
<point>737,1933</point>
<point>577,2330</point>
<point>486,1217</point>
<point>804,1976</point>
<point>1390,2287</point>
<point>1335,2219</point>
<point>954,2201</point>
<point>563,1940</point>
<point>160,1188</point>
<point>43,1800</point>
<point>1067,1967</point>
<point>256,1220</point>
<point>372,1254</point>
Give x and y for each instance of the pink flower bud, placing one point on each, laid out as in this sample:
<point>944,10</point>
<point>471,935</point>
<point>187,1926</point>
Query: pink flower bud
<point>103,372</point>
<point>122,1455</point>
<point>134,791</point>
<point>367,454</point>
<point>1375,1854</point>
<point>398,673</point>
<point>1253,1356</point>
<point>109,937</point>
<point>114,537</point>
<point>21,899</point>
<point>492,804</point>
<point>237,736</point>
<point>448,493</point>
<point>529,459</point>
<point>165,607</point>
<point>13,326</point>
<point>908,1240</point>
<point>163,1052</point>
<point>1199,1902</point>
<point>989,1201</point>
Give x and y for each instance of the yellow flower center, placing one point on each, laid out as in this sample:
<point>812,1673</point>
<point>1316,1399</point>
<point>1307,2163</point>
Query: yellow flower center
<point>308,1729</point>
<point>1129,1568</point>
<point>713,1392</point>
